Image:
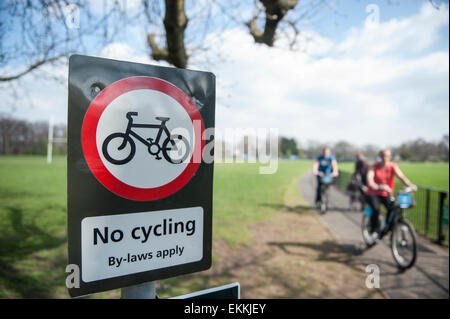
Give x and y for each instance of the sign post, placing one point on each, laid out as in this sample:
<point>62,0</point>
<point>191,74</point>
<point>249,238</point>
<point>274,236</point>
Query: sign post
<point>139,192</point>
<point>230,291</point>
<point>445,216</point>
<point>147,290</point>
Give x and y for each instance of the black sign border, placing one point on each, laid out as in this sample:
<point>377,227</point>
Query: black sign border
<point>86,197</point>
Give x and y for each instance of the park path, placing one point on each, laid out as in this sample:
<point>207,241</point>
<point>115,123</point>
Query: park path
<point>429,278</point>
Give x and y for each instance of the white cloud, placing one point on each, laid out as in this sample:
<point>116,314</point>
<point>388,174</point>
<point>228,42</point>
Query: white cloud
<point>408,35</point>
<point>392,91</point>
<point>363,98</point>
<point>123,51</point>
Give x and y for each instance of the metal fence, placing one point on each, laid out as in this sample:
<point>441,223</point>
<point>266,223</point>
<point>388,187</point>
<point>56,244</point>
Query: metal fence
<point>429,215</point>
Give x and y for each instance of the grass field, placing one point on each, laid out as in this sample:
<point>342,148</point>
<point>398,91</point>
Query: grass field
<point>424,174</point>
<point>33,241</point>
<point>32,227</point>
<point>242,195</point>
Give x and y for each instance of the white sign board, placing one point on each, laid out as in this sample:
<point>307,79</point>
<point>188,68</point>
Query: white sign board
<point>118,245</point>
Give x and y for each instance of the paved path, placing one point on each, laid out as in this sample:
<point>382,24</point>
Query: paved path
<point>429,278</point>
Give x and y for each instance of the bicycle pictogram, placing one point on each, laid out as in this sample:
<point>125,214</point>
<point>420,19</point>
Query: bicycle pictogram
<point>175,148</point>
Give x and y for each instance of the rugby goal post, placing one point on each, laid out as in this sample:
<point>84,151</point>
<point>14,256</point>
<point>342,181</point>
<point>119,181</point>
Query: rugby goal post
<point>52,140</point>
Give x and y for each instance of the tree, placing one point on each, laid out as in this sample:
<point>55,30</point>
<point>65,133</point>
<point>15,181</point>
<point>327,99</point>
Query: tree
<point>23,137</point>
<point>313,148</point>
<point>35,33</point>
<point>275,11</point>
<point>175,23</point>
<point>370,151</point>
<point>420,150</point>
<point>287,146</point>
<point>344,150</point>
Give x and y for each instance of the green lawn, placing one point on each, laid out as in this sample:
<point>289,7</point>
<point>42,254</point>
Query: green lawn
<point>424,174</point>
<point>33,241</point>
<point>242,195</point>
<point>32,226</point>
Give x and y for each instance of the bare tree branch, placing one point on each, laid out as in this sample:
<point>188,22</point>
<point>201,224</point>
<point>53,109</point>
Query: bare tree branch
<point>36,32</point>
<point>30,68</point>
<point>157,53</point>
<point>275,11</point>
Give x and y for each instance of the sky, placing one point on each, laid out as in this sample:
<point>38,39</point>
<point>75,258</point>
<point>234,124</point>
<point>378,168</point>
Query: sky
<point>368,72</point>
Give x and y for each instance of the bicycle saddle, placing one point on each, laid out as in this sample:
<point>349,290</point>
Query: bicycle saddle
<point>164,119</point>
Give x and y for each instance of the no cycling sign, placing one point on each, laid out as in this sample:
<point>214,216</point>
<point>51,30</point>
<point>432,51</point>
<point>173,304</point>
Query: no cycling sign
<point>139,194</point>
<point>115,144</point>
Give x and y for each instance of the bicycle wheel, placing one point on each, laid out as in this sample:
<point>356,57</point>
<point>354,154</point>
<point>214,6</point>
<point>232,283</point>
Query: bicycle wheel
<point>324,202</point>
<point>120,138</point>
<point>404,244</point>
<point>177,151</point>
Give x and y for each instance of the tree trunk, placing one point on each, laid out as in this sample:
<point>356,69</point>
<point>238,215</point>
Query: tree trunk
<point>175,22</point>
<point>275,11</point>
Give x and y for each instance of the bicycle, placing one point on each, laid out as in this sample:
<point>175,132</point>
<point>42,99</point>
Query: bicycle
<point>355,191</point>
<point>326,181</point>
<point>153,145</point>
<point>403,241</point>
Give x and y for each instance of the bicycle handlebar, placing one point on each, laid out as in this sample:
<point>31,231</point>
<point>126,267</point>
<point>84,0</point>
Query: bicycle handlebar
<point>130,114</point>
<point>322,174</point>
<point>407,189</point>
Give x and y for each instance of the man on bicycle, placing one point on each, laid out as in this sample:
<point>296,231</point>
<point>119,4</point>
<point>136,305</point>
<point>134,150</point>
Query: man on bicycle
<point>324,164</point>
<point>380,187</point>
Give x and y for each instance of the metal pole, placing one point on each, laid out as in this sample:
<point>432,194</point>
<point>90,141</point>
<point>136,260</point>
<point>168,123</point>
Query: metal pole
<point>427,212</point>
<point>441,235</point>
<point>147,290</point>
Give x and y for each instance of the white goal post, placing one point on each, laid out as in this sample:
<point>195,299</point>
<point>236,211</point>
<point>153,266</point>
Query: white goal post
<point>52,140</point>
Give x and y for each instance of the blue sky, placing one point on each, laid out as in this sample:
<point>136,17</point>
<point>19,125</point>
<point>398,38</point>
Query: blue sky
<point>381,83</point>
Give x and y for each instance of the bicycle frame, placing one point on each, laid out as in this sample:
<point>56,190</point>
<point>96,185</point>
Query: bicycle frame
<point>402,234</point>
<point>162,128</point>
<point>326,186</point>
<point>396,215</point>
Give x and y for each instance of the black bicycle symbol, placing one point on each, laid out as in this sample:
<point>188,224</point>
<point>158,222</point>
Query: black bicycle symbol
<point>178,143</point>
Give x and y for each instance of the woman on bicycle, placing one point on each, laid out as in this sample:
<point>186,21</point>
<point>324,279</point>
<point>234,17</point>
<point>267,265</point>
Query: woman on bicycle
<point>380,186</point>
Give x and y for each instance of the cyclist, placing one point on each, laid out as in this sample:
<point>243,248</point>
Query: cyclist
<point>380,186</point>
<point>324,164</point>
<point>357,184</point>
<point>361,168</point>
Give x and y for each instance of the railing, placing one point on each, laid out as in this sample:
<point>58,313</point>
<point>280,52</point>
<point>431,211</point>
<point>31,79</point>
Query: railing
<point>430,214</point>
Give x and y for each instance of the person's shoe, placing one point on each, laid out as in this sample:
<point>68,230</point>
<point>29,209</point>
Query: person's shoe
<point>375,237</point>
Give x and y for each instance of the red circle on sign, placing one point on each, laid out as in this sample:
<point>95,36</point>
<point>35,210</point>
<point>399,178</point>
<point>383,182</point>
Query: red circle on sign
<point>89,141</point>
